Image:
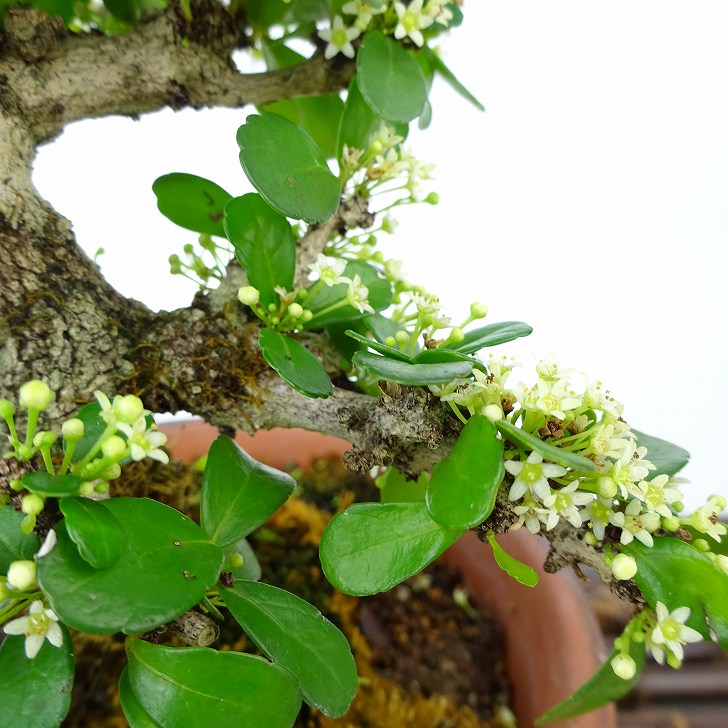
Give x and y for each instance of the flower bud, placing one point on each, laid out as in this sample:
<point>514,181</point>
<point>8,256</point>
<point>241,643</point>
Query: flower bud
<point>32,504</point>
<point>114,448</point>
<point>606,487</point>
<point>87,489</point>
<point>671,524</point>
<point>478,310</point>
<point>6,409</point>
<point>73,429</point>
<point>248,295</point>
<point>624,666</point>
<point>590,539</point>
<point>390,341</point>
<point>623,567</point>
<point>306,316</point>
<point>44,439</point>
<point>493,412</point>
<point>236,561</point>
<point>402,337</point>
<point>36,395</point>
<point>432,199</point>
<point>21,574</point>
<point>456,335</point>
<point>701,544</point>
<point>128,409</point>
<point>112,472</point>
<point>295,310</point>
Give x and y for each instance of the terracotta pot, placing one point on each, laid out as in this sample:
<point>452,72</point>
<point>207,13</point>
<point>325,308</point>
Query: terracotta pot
<point>553,641</point>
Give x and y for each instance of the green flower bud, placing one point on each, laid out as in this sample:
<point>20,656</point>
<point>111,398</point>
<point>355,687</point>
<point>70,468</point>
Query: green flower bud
<point>235,561</point>
<point>114,448</point>
<point>112,472</point>
<point>175,264</point>
<point>87,489</point>
<point>32,504</point>
<point>478,310</point>
<point>623,567</point>
<point>306,316</point>
<point>101,487</point>
<point>402,337</point>
<point>671,524</point>
<point>249,296</point>
<point>432,199</point>
<point>188,249</point>
<point>493,412</point>
<point>44,439</point>
<point>272,308</point>
<point>456,335</point>
<point>25,452</point>
<point>606,487</point>
<point>701,544</point>
<point>295,310</point>
<point>73,429</point>
<point>624,666</point>
<point>128,409</point>
<point>21,575</point>
<point>275,320</point>
<point>36,395</point>
<point>390,341</point>
<point>6,409</point>
<point>590,539</point>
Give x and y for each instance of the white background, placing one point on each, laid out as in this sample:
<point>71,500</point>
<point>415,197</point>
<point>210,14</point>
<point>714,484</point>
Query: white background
<point>589,200</point>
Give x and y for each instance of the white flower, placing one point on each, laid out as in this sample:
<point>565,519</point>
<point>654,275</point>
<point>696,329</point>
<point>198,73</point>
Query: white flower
<point>357,294</point>
<point>411,21</point>
<point>551,398</point>
<point>338,39</point>
<point>532,476</point>
<point>363,12</point>
<point>530,515</point>
<point>672,632</point>
<point>438,9</point>
<point>329,271</point>
<point>564,502</point>
<point>598,513</point>
<point>705,519</point>
<point>635,524</point>
<point>144,442</point>
<point>40,624</point>
<point>657,497</point>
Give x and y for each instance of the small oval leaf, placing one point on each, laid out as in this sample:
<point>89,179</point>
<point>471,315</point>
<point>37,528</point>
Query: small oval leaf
<point>463,486</point>
<point>294,634</point>
<point>295,364</point>
<point>415,375</point>
<point>521,572</point>
<point>189,687</point>
<point>371,547</point>
<point>14,544</point>
<point>52,486</point>
<point>94,529</point>
<point>192,202</point>
<point>238,493</point>
<point>288,169</point>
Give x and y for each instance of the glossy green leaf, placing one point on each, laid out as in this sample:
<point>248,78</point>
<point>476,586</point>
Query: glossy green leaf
<point>395,488</point>
<point>371,547</point>
<point>678,575</point>
<point>327,297</point>
<point>449,77</point>
<point>134,713</point>
<point>238,493</point>
<point>390,80</point>
<point>295,364</point>
<point>288,169</point>
<point>516,569</point>
<point>463,486</point>
<point>250,569</point>
<point>14,544</point>
<point>94,529</point>
<point>264,244</point>
<point>601,688</point>
<point>294,634</point>
<point>35,693</point>
<point>388,351</point>
<point>667,458</point>
<point>318,116</point>
<point>491,335</point>
<point>189,687</point>
<point>192,202</point>
<point>167,565</point>
<point>442,356</point>
<point>53,486</point>
<point>359,122</point>
<point>415,375</point>
<point>551,453</point>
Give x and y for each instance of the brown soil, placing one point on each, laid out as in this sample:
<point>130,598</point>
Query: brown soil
<point>424,659</point>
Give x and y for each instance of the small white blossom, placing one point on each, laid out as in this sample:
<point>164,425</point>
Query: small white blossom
<point>411,20</point>
<point>357,295</point>
<point>636,524</point>
<point>598,514</point>
<point>671,632</point>
<point>144,442</point>
<point>530,515</point>
<point>329,271</point>
<point>363,12</point>
<point>532,476</point>
<point>338,39</point>
<point>40,624</point>
<point>705,519</point>
<point>565,502</point>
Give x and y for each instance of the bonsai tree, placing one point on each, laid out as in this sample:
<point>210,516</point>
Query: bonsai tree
<point>299,322</point>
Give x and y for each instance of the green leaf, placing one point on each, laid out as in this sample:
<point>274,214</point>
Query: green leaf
<point>192,202</point>
<point>551,453</point>
<point>167,565</point>
<point>443,355</point>
<point>261,14</point>
<point>667,458</point>
<point>189,687</point>
<point>491,335</point>
<point>463,486</point>
<point>521,572</point>
<point>238,493</point>
<point>601,688</point>
<point>379,297</point>
<point>250,570</point>
<point>135,714</point>
<point>295,364</point>
<point>264,244</point>
<point>390,80</point>
<point>678,575</point>
<point>294,634</point>
<point>381,327</point>
<point>53,486</point>
<point>318,116</point>
<point>395,488</point>
<point>126,10</point>
<point>14,544</point>
<point>371,547</point>
<point>288,169</point>
<point>415,375</point>
<point>359,122</point>
<point>94,529</point>
<point>94,426</point>
<point>387,351</point>
<point>439,66</point>
<point>35,693</point>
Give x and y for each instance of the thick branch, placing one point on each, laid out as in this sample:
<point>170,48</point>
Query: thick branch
<point>164,62</point>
